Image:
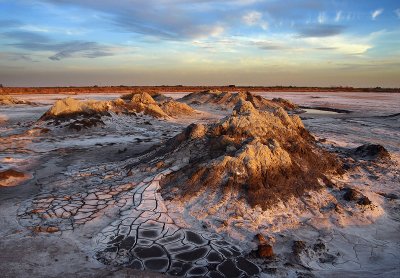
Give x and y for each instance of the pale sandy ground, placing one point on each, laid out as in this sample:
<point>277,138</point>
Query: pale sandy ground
<point>368,243</point>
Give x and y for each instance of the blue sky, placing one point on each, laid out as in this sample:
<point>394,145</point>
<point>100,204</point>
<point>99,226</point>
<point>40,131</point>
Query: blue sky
<point>200,42</point>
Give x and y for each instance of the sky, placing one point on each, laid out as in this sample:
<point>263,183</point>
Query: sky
<point>200,42</point>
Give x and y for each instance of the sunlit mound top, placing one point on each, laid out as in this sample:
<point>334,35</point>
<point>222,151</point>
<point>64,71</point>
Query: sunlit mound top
<point>229,99</point>
<point>266,157</point>
<point>138,103</point>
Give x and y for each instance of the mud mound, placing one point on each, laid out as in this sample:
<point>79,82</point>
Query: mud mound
<point>86,123</point>
<point>11,177</point>
<point>174,108</point>
<point>158,105</point>
<point>8,100</point>
<point>70,107</point>
<point>88,113</point>
<point>144,103</point>
<point>229,100</point>
<point>352,195</point>
<point>154,94</point>
<point>161,98</point>
<point>265,156</point>
<point>371,152</point>
<point>286,104</point>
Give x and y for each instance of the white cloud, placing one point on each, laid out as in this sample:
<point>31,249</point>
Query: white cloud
<point>255,18</point>
<point>376,13</point>
<point>252,18</point>
<point>321,18</point>
<point>341,44</point>
<point>34,28</point>
<point>397,12</point>
<point>338,16</point>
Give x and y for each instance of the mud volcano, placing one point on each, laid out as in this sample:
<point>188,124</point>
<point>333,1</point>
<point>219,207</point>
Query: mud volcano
<point>229,100</point>
<point>266,156</point>
<point>143,103</point>
<point>78,115</point>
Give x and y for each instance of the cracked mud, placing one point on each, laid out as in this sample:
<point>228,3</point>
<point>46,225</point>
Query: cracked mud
<point>144,237</point>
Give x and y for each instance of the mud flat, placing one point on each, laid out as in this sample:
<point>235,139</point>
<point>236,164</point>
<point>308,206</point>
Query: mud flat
<point>194,193</point>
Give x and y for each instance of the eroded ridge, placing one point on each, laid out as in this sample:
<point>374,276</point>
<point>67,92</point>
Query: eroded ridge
<point>147,238</point>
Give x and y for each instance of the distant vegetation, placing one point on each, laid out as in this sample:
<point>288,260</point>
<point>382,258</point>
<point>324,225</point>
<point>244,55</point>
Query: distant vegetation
<point>122,89</point>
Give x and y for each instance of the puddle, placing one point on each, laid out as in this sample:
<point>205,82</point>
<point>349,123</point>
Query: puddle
<point>319,112</point>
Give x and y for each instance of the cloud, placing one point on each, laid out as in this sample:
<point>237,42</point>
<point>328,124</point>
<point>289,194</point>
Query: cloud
<point>397,12</point>
<point>326,48</point>
<point>8,23</point>
<point>80,48</point>
<point>270,45</point>
<point>341,44</point>
<point>376,13</point>
<point>320,30</point>
<point>252,18</point>
<point>14,56</point>
<point>169,20</point>
<point>255,18</point>
<point>321,18</point>
<point>338,16</point>
<point>38,42</point>
<point>25,36</point>
<point>297,10</point>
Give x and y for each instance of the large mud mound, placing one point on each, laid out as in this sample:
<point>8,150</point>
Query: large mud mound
<point>265,156</point>
<point>229,100</point>
<point>137,103</point>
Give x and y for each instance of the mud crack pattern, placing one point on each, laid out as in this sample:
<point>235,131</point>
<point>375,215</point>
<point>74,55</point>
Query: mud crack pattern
<point>144,236</point>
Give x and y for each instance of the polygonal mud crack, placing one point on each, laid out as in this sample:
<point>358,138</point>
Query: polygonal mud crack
<point>155,243</point>
<point>144,236</point>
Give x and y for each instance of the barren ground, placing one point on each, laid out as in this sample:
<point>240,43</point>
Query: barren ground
<point>85,174</point>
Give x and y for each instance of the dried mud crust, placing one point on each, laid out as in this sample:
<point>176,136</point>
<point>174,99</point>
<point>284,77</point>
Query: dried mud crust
<point>144,236</point>
<point>267,156</point>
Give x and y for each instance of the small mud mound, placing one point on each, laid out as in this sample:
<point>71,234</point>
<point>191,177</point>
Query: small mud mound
<point>265,156</point>
<point>352,195</point>
<point>144,103</point>
<point>69,108</point>
<point>11,177</point>
<point>229,100</point>
<point>286,104</point>
<point>174,108</point>
<point>129,96</point>
<point>8,100</point>
<point>86,123</point>
<point>160,98</point>
<point>371,152</point>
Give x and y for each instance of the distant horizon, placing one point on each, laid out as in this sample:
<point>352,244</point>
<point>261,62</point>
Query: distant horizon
<point>316,43</point>
<point>198,85</point>
<point>230,86</point>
